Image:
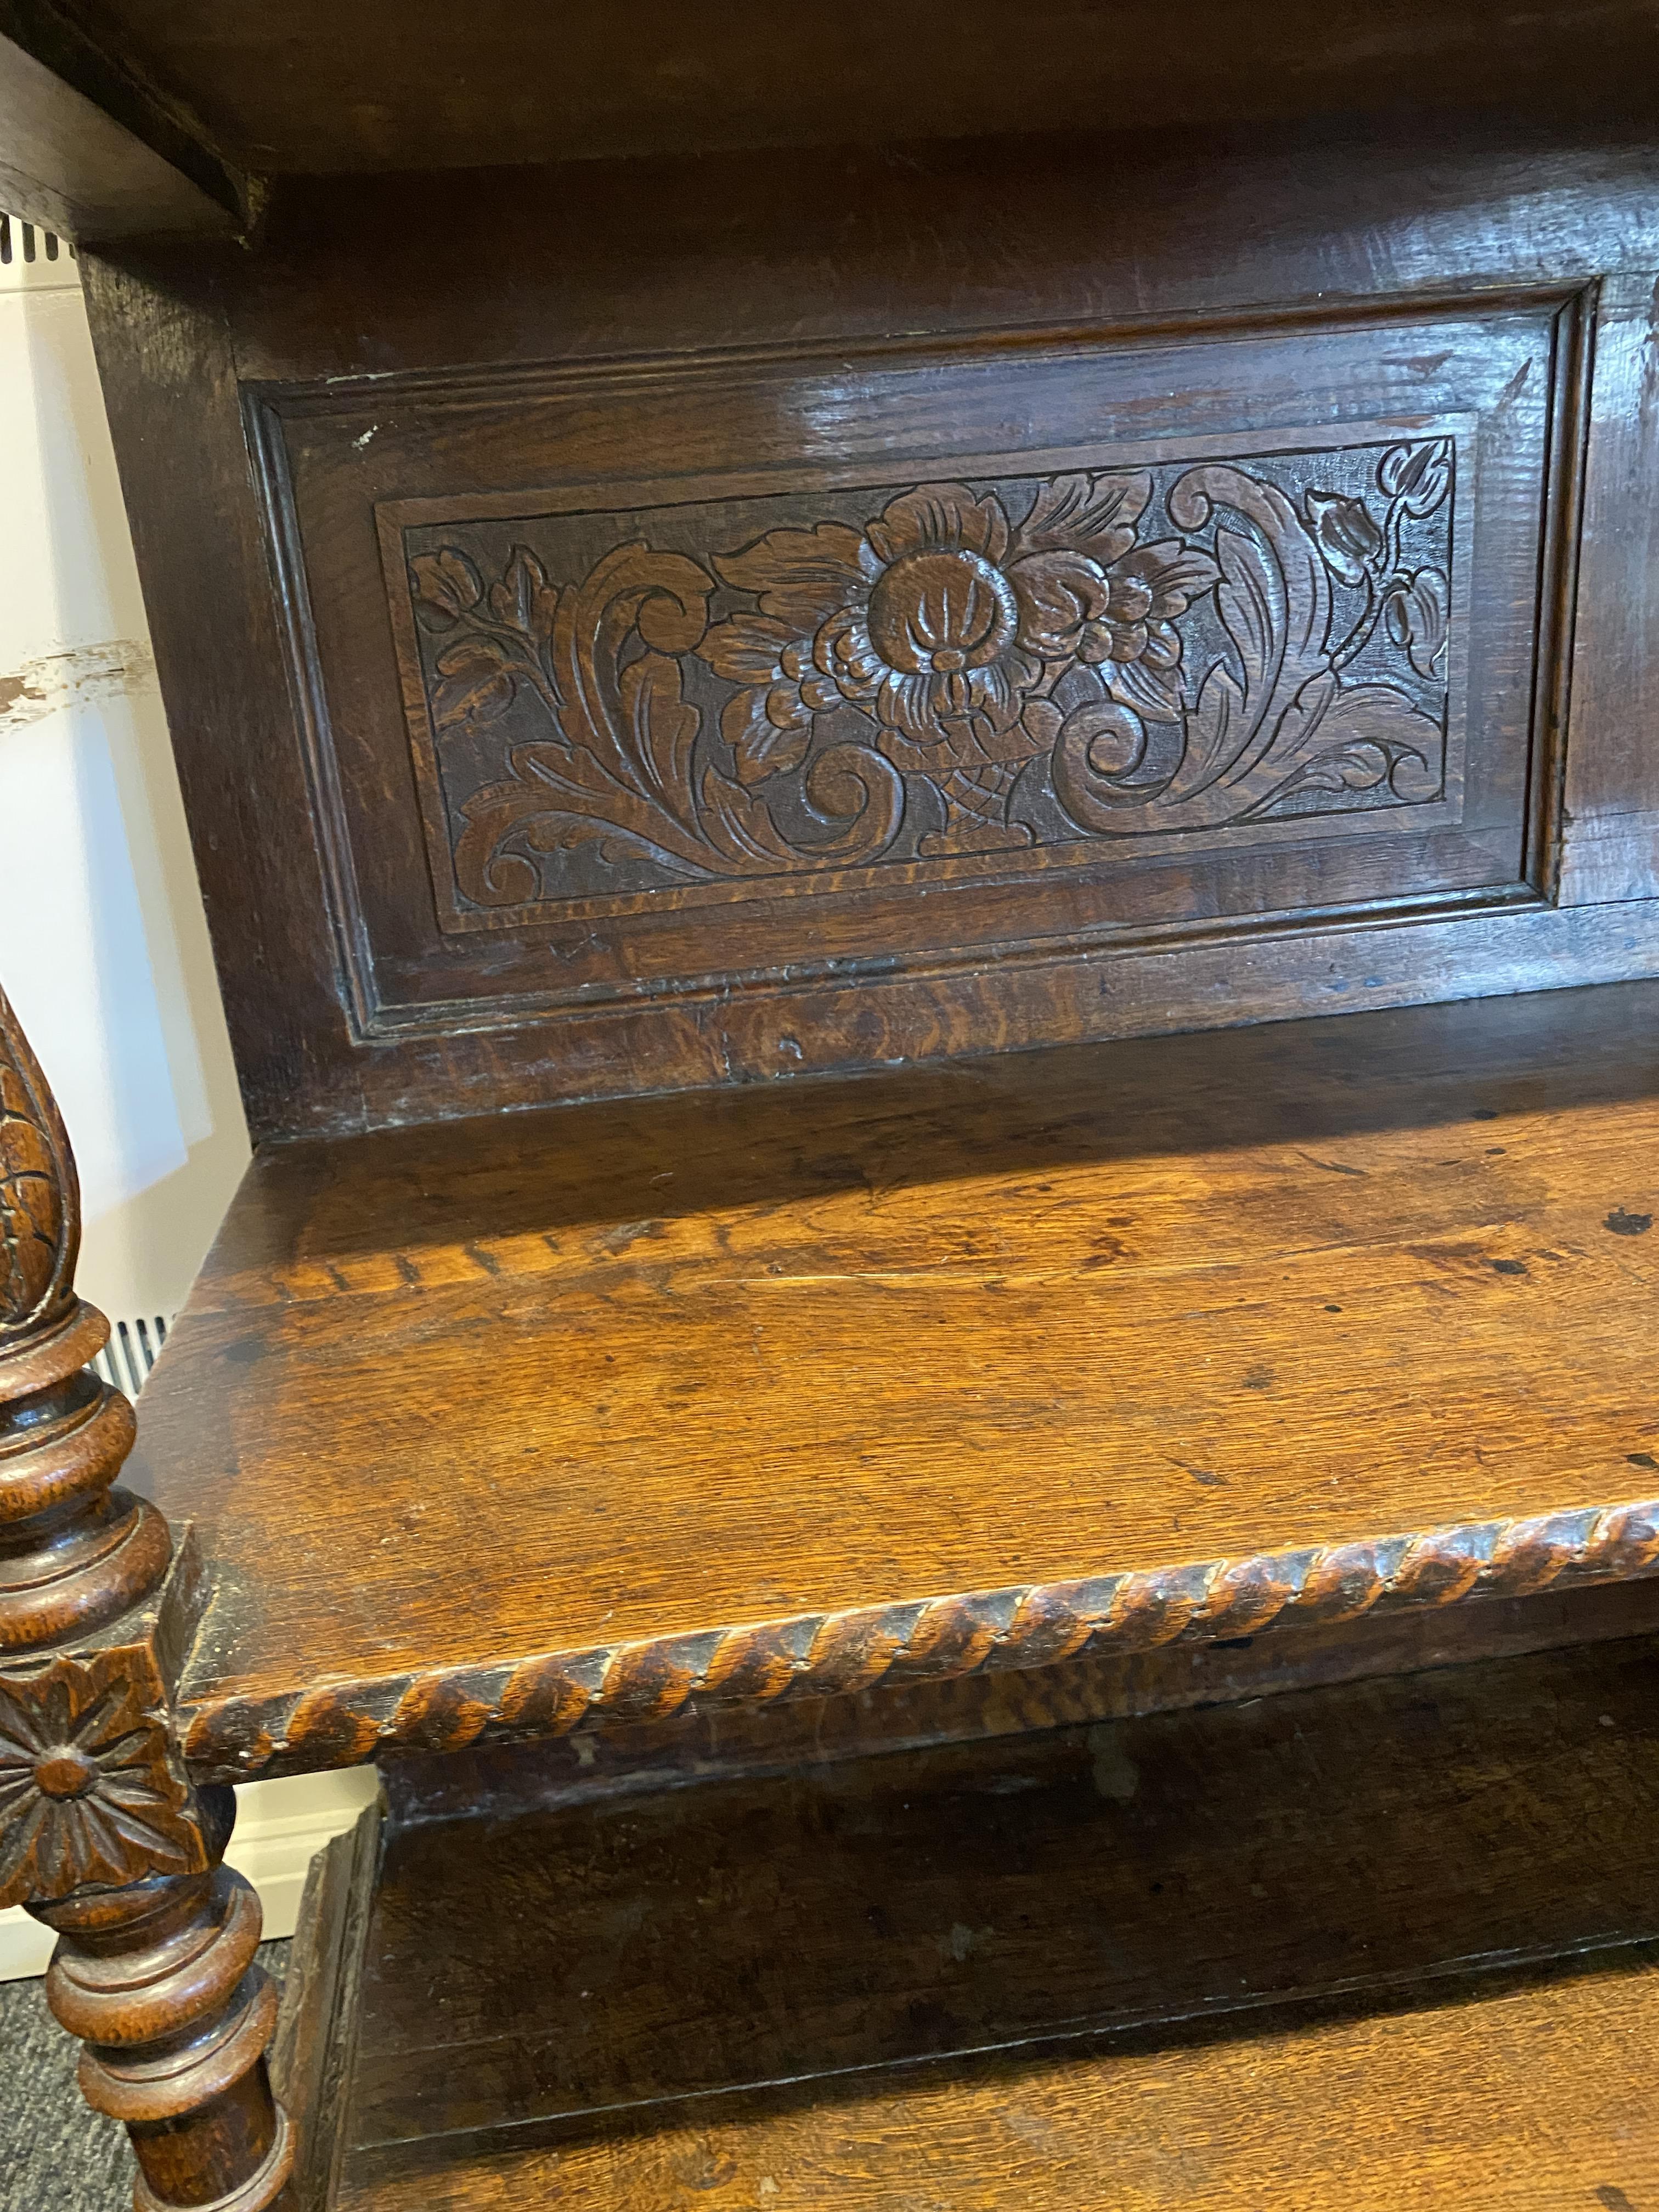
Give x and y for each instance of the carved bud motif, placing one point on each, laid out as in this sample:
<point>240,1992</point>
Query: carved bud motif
<point>1419,476</point>
<point>1345,533</point>
<point>1417,612</point>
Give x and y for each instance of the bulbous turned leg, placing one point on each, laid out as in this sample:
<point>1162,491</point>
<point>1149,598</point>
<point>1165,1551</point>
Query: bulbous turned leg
<point>102,1836</point>
<point>159,1981</point>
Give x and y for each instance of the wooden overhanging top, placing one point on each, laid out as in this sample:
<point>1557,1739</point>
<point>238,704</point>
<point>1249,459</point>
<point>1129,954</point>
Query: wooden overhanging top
<point>492,1427</point>
<point>208,99</point>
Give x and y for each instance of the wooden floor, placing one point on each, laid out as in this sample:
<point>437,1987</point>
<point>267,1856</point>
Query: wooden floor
<point>1376,1945</point>
<point>586,1387</point>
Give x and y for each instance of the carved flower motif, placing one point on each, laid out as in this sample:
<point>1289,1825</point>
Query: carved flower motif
<point>89,1792</point>
<point>1419,476</point>
<point>1345,532</point>
<point>1417,612</point>
<point>939,619</point>
<point>1116,613</point>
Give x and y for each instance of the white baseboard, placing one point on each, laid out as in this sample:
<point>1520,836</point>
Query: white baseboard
<point>280,1828</point>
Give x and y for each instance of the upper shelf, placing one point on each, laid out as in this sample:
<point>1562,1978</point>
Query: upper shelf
<point>488,1425</point>
<point>318,88</point>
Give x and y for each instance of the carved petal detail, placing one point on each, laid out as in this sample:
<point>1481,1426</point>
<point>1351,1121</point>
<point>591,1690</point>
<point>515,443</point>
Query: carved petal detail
<point>91,1789</point>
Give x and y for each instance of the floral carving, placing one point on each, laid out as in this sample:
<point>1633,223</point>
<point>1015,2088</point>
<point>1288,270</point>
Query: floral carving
<point>972,667</point>
<point>945,623</point>
<point>617,767</point>
<point>36,1190</point>
<point>90,1788</point>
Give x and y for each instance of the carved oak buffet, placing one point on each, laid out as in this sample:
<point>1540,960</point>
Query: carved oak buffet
<point>800,649</point>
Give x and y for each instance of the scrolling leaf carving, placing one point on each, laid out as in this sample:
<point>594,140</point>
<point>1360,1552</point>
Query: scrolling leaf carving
<point>972,668</point>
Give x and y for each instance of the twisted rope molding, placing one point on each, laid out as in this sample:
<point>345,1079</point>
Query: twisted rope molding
<point>821,1654</point>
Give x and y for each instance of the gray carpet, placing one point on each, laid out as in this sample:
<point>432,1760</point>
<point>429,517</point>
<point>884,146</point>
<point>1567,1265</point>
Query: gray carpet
<point>55,2155</point>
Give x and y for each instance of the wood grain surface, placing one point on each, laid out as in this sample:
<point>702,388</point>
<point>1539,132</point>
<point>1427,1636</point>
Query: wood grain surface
<point>421,86</point>
<point>85,152</point>
<point>1107,1344</point>
<point>1392,1843</point>
<point>1529,2100</point>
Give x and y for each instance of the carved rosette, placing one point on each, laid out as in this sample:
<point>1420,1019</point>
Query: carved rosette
<point>101,1835</point>
<point>91,1788</point>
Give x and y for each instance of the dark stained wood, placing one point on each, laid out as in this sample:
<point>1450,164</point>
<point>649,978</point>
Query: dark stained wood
<point>158,1979</point>
<point>84,152</point>
<point>102,1837</point>
<point>424,85</point>
<point>1518,2098</point>
<point>316,2033</point>
<point>596,731</point>
<point>79,1551</point>
<point>1610,848</point>
<point>1461,275</point>
<point>853,1383</point>
<point>1390,1842</point>
<point>865,537</point>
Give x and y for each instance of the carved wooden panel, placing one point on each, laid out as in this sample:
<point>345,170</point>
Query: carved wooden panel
<point>656,693</point>
<point>755,693</point>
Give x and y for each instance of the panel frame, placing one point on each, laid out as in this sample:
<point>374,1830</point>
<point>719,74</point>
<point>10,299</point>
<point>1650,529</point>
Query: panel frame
<point>370,279</point>
<point>341,406</point>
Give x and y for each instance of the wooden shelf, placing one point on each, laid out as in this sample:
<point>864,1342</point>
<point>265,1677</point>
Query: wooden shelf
<point>1518,2100</point>
<point>1310,1951</point>
<point>319,91</point>
<point>492,1426</point>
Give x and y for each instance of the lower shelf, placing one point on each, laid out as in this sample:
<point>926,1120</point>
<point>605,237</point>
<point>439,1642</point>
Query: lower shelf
<point>1528,2099</point>
<point>1378,1943</point>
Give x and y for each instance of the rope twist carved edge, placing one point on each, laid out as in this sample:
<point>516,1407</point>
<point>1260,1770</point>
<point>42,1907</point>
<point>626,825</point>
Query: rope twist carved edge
<point>937,1639</point>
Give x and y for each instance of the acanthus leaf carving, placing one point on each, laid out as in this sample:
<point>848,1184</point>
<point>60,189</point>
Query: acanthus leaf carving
<point>972,668</point>
<point>619,769</point>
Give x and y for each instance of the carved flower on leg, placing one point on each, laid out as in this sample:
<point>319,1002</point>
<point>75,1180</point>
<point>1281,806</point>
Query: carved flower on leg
<point>90,1791</point>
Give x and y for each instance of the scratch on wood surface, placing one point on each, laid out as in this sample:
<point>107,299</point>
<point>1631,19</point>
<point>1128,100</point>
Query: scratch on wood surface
<point>84,672</point>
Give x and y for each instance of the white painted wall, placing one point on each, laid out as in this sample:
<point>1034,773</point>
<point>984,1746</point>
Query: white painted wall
<point>103,947</point>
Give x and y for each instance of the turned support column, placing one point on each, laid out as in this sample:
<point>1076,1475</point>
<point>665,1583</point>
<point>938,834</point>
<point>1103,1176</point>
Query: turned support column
<point>102,1836</point>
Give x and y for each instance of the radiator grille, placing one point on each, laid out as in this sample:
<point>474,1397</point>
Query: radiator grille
<point>32,258</point>
<point>131,1352</point>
